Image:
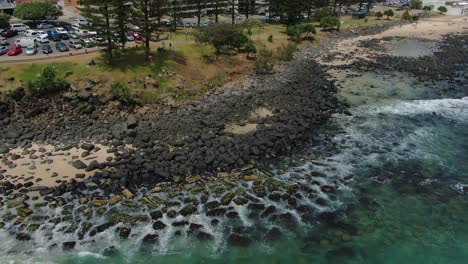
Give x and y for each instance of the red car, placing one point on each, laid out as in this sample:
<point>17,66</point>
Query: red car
<point>14,50</point>
<point>136,36</point>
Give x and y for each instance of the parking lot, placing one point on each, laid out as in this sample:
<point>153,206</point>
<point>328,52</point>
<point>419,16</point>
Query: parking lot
<point>51,43</point>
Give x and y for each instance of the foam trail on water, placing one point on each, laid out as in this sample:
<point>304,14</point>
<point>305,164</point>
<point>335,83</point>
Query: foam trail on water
<point>456,109</point>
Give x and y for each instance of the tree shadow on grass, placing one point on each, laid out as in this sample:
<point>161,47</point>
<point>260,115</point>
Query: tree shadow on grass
<point>134,60</point>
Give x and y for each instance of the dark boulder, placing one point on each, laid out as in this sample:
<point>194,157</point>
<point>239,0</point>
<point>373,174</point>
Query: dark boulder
<point>237,240</point>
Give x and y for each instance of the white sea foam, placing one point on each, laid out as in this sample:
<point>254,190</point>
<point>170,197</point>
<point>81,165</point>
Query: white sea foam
<point>456,109</point>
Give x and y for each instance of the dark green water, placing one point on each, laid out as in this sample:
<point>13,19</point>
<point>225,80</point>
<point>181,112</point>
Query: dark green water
<point>400,166</point>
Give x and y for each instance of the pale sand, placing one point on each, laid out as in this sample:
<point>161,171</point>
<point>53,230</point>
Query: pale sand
<point>51,166</point>
<point>240,130</point>
<point>430,29</point>
<point>261,112</point>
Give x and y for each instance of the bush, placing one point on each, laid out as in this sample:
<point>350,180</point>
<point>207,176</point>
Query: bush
<point>286,52</point>
<point>416,4</point>
<point>442,9</point>
<point>389,13</point>
<point>265,62</point>
<point>294,32</point>
<point>36,11</point>
<point>406,16</point>
<point>4,20</point>
<point>330,22</point>
<point>250,48</point>
<point>222,37</point>
<point>121,93</point>
<point>379,15</point>
<point>270,38</point>
<point>309,29</point>
<point>47,82</point>
<point>427,8</point>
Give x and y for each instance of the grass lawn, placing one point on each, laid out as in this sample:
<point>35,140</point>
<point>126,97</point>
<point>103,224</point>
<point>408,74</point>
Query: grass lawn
<point>194,64</point>
<point>195,67</point>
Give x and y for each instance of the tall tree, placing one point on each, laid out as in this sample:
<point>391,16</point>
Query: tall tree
<point>145,15</point>
<point>142,14</point>
<point>218,4</point>
<point>232,10</point>
<point>121,20</point>
<point>199,4</point>
<point>99,15</point>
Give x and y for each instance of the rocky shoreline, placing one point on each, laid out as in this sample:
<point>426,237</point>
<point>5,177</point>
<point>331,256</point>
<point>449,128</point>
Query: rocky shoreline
<point>163,165</point>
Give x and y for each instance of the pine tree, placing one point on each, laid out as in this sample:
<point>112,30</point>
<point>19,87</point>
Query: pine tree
<point>99,16</point>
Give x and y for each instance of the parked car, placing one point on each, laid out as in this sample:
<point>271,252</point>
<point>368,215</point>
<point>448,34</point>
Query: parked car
<point>60,46</point>
<point>88,43</point>
<point>19,27</point>
<point>43,38</point>
<point>73,35</point>
<point>31,50</point>
<point>47,49</point>
<point>86,33</point>
<point>75,44</point>
<point>60,23</point>
<point>44,26</point>
<point>64,36</point>
<point>136,35</point>
<point>31,33</point>
<point>3,50</point>
<point>9,33</point>
<point>61,30</point>
<point>26,42</point>
<point>4,42</point>
<point>14,50</point>
<point>130,37</point>
<point>68,28</point>
<point>53,35</point>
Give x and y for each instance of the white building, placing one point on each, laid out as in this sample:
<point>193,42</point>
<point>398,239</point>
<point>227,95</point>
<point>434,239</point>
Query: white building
<point>7,6</point>
<point>454,8</point>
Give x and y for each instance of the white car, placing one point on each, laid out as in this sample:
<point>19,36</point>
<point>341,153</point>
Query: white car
<point>61,30</point>
<point>19,27</point>
<point>43,38</point>
<point>31,50</point>
<point>45,26</point>
<point>75,44</point>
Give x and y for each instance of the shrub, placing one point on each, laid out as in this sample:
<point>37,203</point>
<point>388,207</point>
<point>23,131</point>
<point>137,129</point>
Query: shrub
<point>406,16</point>
<point>286,52</point>
<point>265,61</point>
<point>427,8</point>
<point>416,4</point>
<point>330,22</point>
<point>47,82</point>
<point>270,38</point>
<point>4,20</point>
<point>250,48</point>
<point>222,37</point>
<point>442,9</point>
<point>389,13</point>
<point>294,32</point>
<point>121,93</point>
<point>309,29</point>
<point>379,15</point>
